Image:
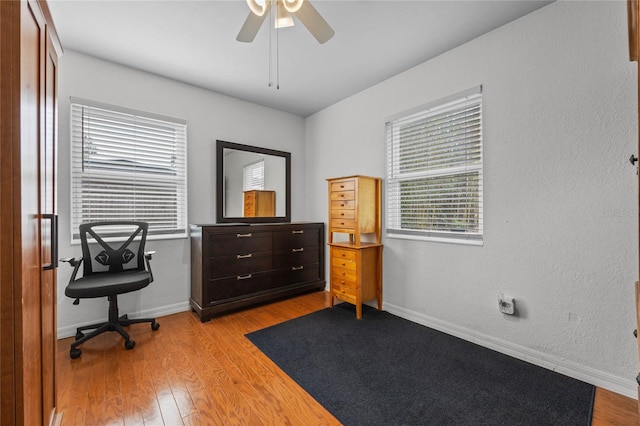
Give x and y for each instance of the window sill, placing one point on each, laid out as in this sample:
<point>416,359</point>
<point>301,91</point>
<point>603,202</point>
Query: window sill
<point>446,240</point>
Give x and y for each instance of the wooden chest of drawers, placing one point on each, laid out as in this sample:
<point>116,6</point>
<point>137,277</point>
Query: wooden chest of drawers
<point>354,207</point>
<point>259,203</point>
<point>356,274</point>
<point>234,266</point>
<point>356,265</point>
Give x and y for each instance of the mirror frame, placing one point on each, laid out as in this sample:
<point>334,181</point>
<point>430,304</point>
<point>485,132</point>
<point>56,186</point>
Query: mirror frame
<point>220,218</point>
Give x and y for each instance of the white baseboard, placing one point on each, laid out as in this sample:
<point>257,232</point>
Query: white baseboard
<point>620,385</point>
<point>70,330</point>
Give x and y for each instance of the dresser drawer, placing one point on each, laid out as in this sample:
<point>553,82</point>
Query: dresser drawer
<point>240,264</point>
<point>343,204</point>
<point>298,237</point>
<point>343,185</point>
<point>347,281</point>
<point>239,286</point>
<point>298,274</point>
<point>342,253</point>
<point>349,224</point>
<point>343,263</point>
<point>344,294</point>
<point>343,195</point>
<point>343,214</point>
<point>240,242</point>
<point>295,257</point>
<point>343,274</point>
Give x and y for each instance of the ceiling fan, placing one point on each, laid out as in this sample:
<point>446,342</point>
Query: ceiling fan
<point>301,9</point>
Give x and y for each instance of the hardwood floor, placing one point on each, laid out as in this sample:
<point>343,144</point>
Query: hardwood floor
<point>193,373</point>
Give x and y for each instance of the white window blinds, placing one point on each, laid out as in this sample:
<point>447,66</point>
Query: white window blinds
<point>434,170</point>
<point>253,176</point>
<point>127,166</point>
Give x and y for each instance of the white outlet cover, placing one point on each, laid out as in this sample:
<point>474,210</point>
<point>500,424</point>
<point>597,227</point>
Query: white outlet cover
<point>506,304</point>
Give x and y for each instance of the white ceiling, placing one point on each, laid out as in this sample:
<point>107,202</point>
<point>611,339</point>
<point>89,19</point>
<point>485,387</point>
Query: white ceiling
<point>194,42</point>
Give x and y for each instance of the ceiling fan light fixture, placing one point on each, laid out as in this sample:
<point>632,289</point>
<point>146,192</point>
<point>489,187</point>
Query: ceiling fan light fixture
<point>257,6</point>
<point>292,6</point>
<point>283,19</point>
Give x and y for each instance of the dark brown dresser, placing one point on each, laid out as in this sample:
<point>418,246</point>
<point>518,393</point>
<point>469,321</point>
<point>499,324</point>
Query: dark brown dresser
<point>238,265</point>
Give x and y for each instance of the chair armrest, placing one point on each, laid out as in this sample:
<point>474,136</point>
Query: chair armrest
<point>73,261</point>
<point>147,258</point>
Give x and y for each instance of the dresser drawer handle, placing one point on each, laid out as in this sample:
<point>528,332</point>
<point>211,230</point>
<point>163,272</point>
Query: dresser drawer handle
<point>244,256</point>
<point>297,250</point>
<point>301,231</point>
<point>342,205</point>
<point>297,268</point>
<point>243,277</point>
<point>243,235</point>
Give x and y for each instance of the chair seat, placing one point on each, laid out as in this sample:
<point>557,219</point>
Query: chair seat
<point>100,285</point>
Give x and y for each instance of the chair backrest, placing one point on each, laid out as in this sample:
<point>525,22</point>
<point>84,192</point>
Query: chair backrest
<point>101,257</point>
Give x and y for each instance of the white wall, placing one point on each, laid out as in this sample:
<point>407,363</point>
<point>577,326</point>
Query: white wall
<point>209,116</point>
<point>560,197</point>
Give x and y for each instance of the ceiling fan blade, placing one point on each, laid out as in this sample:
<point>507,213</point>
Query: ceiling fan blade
<point>252,25</point>
<point>315,23</point>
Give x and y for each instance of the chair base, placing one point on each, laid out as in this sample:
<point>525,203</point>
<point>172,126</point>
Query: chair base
<point>115,323</point>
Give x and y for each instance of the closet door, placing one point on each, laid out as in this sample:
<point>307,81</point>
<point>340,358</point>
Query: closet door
<point>30,97</point>
<point>28,51</point>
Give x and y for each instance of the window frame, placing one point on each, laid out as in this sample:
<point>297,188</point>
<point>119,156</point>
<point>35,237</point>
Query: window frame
<point>175,180</point>
<point>393,226</point>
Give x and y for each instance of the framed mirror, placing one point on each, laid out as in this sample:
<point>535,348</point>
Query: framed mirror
<point>253,184</point>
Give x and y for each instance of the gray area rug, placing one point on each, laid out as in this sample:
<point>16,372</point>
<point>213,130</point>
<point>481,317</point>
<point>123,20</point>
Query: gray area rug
<point>385,370</point>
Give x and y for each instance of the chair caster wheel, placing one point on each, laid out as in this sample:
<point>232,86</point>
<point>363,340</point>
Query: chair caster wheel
<point>155,326</point>
<point>79,335</point>
<point>75,353</point>
<point>129,344</point>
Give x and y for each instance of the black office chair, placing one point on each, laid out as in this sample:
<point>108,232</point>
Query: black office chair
<point>109,272</point>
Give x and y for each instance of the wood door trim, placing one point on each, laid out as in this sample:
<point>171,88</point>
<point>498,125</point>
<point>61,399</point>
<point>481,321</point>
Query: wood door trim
<point>633,15</point>
<point>10,272</point>
<point>632,21</point>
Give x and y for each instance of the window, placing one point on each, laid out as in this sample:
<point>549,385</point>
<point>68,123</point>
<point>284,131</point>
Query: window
<point>127,165</point>
<point>253,176</point>
<point>434,171</point>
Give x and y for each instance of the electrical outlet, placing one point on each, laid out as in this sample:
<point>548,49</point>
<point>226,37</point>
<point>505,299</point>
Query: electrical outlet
<point>506,304</point>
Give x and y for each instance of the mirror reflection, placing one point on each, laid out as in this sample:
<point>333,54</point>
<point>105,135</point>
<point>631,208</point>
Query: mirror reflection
<point>253,183</point>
